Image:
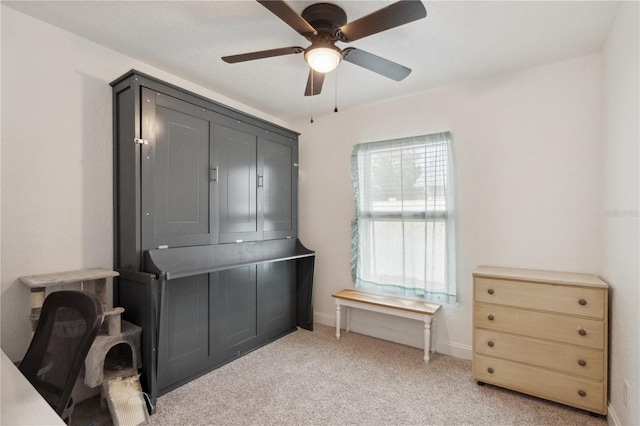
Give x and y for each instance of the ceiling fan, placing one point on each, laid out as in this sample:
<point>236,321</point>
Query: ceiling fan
<point>324,24</point>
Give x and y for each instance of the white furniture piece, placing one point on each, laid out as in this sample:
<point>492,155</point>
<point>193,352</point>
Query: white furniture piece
<point>542,333</point>
<point>392,305</point>
<point>21,403</point>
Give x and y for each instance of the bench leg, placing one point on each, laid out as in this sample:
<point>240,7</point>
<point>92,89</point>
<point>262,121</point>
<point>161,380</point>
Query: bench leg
<point>348,308</point>
<point>337,320</point>
<point>434,329</point>
<point>427,337</point>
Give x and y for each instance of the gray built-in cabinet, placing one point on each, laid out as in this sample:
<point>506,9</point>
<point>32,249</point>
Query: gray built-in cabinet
<point>205,229</point>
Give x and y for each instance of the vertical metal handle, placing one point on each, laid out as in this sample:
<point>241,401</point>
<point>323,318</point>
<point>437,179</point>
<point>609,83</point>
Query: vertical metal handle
<point>260,181</point>
<point>214,174</point>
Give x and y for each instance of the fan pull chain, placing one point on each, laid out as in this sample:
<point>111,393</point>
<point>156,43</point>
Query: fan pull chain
<point>335,109</point>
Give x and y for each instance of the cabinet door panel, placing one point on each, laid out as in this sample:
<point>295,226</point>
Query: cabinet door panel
<point>233,309</point>
<point>182,178</point>
<point>275,296</point>
<point>276,163</point>
<point>184,345</point>
<point>175,164</point>
<point>236,159</point>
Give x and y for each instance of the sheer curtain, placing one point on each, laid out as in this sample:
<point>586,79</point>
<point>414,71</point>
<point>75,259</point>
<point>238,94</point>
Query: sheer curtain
<point>403,233</point>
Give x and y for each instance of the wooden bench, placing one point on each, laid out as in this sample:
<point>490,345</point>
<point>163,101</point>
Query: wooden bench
<point>391,305</point>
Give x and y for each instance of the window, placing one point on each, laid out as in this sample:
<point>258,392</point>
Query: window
<point>404,228</point>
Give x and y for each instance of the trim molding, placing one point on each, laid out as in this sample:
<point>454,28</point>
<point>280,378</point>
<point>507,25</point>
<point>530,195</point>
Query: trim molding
<point>612,417</point>
<point>324,319</point>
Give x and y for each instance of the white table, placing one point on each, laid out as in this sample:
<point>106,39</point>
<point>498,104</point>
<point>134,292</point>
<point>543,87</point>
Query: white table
<point>20,403</point>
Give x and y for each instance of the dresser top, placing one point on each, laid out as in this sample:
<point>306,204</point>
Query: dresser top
<point>551,277</point>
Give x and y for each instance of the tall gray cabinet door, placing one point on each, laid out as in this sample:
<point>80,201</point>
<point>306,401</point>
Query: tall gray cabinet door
<point>275,298</point>
<point>184,329</point>
<point>233,311</point>
<point>176,198</point>
<point>275,161</point>
<point>235,159</point>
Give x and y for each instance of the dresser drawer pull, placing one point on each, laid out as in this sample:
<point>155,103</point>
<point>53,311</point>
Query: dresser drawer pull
<point>490,291</point>
<point>582,302</point>
<point>582,393</point>
<point>582,363</point>
<point>490,343</point>
<point>490,317</point>
<point>582,332</point>
<point>490,370</point>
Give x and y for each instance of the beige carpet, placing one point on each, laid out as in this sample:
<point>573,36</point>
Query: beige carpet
<point>310,378</point>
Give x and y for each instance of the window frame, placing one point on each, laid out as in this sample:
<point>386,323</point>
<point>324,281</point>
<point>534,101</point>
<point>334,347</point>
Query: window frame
<point>430,217</point>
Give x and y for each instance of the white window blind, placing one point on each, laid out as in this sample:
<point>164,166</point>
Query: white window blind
<point>404,228</point>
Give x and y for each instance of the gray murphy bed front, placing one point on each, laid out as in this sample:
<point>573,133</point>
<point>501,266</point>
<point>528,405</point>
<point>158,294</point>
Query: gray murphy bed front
<point>205,212</point>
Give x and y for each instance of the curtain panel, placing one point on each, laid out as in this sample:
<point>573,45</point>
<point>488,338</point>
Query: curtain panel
<point>403,232</point>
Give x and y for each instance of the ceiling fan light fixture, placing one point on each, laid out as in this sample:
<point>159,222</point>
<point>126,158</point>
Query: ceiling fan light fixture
<point>323,58</point>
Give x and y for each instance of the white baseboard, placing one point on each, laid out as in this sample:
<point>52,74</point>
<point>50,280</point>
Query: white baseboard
<point>454,349</point>
<point>324,319</point>
<point>612,417</point>
<point>396,335</point>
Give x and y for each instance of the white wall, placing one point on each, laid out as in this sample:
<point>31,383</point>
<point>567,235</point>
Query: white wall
<point>528,147</point>
<point>57,158</point>
<point>620,255</point>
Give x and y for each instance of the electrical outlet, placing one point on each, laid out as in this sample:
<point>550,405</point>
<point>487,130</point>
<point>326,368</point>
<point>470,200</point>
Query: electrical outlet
<point>625,393</point>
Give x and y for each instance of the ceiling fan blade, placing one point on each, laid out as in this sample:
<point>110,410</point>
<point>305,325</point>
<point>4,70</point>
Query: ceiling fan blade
<point>394,15</point>
<point>262,54</point>
<point>375,63</point>
<point>290,17</point>
<point>318,79</point>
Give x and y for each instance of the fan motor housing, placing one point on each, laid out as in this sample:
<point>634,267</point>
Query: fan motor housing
<point>326,18</point>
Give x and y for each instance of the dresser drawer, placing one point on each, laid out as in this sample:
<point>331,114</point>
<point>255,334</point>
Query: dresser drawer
<point>572,330</point>
<point>582,393</point>
<point>572,300</point>
<point>554,356</point>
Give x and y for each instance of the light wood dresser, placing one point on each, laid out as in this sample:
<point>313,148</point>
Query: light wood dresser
<point>542,333</point>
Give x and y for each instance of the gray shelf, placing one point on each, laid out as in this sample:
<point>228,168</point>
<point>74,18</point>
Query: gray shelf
<point>183,262</point>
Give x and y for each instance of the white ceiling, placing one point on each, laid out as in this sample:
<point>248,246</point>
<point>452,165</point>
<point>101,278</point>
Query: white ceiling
<point>457,41</point>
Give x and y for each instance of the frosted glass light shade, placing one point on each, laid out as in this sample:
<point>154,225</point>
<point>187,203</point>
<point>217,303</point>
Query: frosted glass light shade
<point>323,59</point>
